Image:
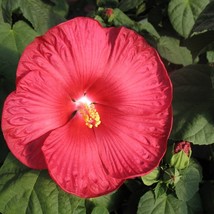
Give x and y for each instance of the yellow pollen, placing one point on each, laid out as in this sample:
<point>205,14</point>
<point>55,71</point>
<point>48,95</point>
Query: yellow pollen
<point>90,115</point>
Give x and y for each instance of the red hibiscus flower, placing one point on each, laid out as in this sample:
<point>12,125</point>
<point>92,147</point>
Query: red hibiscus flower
<point>92,105</point>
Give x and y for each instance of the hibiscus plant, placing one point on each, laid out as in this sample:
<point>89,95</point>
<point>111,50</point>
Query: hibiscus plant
<point>107,106</point>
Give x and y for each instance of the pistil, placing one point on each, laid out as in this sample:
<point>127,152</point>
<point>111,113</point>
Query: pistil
<point>88,112</point>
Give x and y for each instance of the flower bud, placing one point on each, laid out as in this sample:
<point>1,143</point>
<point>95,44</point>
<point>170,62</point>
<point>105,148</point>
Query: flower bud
<point>181,155</point>
<point>109,14</point>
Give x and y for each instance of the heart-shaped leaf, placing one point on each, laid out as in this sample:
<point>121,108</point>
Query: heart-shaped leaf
<point>188,184</point>
<point>32,191</point>
<point>183,13</point>
<point>162,205</point>
<point>193,104</point>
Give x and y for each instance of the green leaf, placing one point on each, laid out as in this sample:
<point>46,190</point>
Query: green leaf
<point>205,21</point>
<point>210,56</point>
<point>40,14</point>
<point>160,189</point>
<point>201,39</point>
<point>188,184</point>
<point>121,19</point>
<point>194,205</point>
<point>1,13</point>
<point>23,35</point>
<point>8,7</point>
<point>141,8</point>
<point>200,43</point>
<point>183,13</point>
<point>126,5</point>
<point>99,210</point>
<point>12,43</point>
<point>100,20</point>
<point>152,177</point>
<point>61,7</point>
<point>8,55</point>
<point>33,192</point>
<point>193,104</point>
<point>162,205</point>
<point>147,26</point>
<point>169,48</point>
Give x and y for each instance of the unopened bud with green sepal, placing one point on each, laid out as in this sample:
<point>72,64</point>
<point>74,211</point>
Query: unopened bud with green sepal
<point>179,155</point>
<point>116,17</point>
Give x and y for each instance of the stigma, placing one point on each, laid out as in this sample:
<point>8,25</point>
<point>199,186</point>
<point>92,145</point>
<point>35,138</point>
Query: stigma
<point>88,112</point>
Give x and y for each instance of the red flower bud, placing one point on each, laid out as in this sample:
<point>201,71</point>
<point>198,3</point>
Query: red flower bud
<point>109,12</point>
<point>182,146</point>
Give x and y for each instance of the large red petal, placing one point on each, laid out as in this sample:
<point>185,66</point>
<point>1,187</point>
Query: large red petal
<point>38,106</point>
<point>134,101</point>
<point>132,145</point>
<point>74,163</point>
<point>75,52</point>
<point>134,78</point>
